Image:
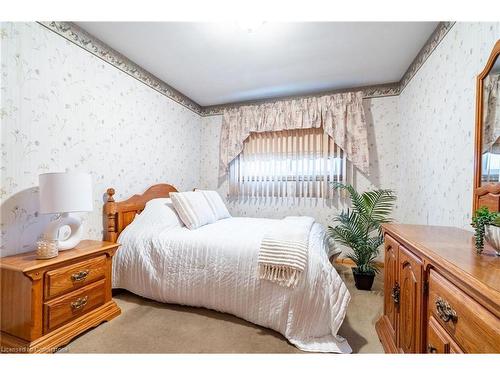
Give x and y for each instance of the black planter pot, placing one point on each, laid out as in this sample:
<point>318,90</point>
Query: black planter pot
<point>363,281</point>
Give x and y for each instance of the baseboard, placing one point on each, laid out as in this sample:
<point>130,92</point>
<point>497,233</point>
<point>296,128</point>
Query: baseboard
<point>350,263</point>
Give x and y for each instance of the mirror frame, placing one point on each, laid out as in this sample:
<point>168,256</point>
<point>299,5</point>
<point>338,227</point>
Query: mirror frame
<point>487,195</point>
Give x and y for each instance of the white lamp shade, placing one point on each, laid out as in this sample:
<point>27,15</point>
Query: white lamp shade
<point>65,192</point>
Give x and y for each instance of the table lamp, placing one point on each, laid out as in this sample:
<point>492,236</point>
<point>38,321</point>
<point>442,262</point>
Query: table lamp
<point>62,193</point>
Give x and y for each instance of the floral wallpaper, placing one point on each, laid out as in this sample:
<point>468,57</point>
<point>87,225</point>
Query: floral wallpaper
<point>383,127</point>
<point>436,111</point>
<point>65,109</point>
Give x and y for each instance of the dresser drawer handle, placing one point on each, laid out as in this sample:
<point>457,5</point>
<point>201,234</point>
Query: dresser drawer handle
<point>79,303</point>
<point>431,349</point>
<point>395,293</point>
<point>444,310</point>
<point>80,276</point>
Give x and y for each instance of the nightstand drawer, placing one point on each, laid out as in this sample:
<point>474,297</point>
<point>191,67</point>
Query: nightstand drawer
<point>70,306</point>
<point>66,279</point>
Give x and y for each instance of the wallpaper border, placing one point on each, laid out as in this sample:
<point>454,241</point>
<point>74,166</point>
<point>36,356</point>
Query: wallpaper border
<point>93,45</point>
<point>375,91</point>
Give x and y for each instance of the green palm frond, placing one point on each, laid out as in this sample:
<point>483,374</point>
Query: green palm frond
<point>375,242</point>
<point>378,205</point>
<point>357,200</point>
<point>360,227</point>
<point>350,228</point>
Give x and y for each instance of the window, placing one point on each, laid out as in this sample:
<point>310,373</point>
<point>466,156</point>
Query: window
<point>290,163</point>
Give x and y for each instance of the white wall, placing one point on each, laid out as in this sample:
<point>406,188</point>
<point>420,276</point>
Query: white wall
<point>436,112</point>
<point>64,109</point>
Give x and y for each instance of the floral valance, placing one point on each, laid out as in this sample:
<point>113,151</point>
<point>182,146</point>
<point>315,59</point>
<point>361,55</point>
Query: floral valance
<point>341,116</point>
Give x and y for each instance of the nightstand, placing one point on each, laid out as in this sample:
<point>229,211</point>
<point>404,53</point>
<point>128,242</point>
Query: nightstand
<point>46,303</point>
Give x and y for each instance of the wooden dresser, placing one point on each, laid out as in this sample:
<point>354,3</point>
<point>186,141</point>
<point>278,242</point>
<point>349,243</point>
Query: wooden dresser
<point>439,295</point>
<point>46,303</point>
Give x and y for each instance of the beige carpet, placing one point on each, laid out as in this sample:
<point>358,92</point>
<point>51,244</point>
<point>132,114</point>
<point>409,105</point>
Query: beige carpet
<point>146,326</point>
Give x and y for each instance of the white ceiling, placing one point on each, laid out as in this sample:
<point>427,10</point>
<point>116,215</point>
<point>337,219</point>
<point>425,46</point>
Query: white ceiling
<point>215,63</point>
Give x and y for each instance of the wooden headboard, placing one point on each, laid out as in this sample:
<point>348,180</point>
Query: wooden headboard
<point>117,215</point>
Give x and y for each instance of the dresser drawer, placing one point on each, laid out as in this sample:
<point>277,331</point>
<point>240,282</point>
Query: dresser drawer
<point>70,306</point>
<point>66,279</point>
<point>438,340</point>
<point>468,323</point>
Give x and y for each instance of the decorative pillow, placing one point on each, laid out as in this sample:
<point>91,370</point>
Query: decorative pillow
<point>193,209</point>
<point>216,204</point>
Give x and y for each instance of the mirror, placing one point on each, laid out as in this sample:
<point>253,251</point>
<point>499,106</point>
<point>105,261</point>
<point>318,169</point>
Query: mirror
<point>490,152</point>
<point>487,153</point>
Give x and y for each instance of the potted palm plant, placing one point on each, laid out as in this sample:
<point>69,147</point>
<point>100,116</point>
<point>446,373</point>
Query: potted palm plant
<point>359,228</point>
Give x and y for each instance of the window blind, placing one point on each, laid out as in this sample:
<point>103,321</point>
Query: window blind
<point>291,163</point>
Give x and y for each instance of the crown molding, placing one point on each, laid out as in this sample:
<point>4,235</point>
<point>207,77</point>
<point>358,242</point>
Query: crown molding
<point>93,45</point>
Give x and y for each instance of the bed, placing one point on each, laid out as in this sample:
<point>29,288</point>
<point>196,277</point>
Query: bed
<point>215,267</point>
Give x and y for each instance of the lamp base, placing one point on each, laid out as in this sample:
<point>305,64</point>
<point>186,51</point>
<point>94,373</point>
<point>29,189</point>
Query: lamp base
<point>69,241</point>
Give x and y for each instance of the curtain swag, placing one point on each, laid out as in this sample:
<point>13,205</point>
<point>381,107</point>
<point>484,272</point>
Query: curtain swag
<point>341,115</point>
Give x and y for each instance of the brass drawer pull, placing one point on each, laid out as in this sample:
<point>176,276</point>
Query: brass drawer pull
<point>395,293</point>
<point>431,349</point>
<point>79,303</point>
<point>444,310</point>
<point>80,276</point>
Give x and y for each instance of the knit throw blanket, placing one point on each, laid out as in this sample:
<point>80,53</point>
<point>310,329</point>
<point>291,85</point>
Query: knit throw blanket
<point>283,251</point>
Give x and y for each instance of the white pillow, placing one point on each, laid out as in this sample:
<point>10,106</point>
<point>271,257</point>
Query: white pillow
<point>193,209</point>
<point>216,204</point>
<point>159,212</point>
<point>159,202</point>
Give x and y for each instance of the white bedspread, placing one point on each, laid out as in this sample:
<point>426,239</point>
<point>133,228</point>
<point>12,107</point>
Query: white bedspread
<point>215,267</point>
